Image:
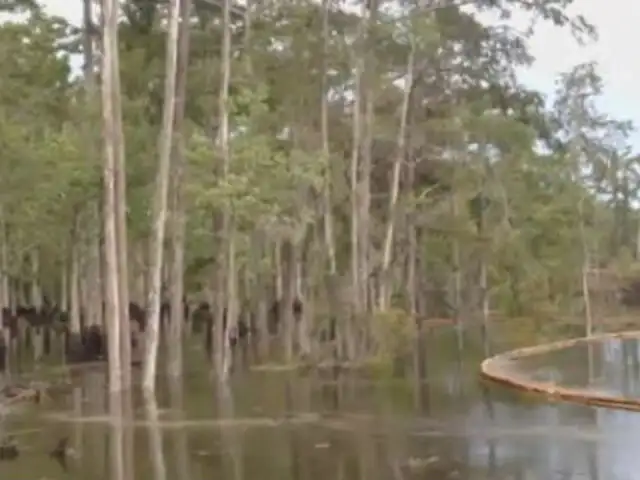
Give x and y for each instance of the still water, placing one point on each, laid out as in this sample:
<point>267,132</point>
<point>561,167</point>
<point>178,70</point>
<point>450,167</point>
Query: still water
<point>435,420</point>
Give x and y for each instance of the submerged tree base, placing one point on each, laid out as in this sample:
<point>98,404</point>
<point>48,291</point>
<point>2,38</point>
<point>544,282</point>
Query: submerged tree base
<point>499,369</point>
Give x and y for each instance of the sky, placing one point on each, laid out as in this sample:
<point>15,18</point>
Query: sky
<point>556,51</point>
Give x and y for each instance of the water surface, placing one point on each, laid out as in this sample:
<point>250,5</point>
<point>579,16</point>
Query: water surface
<point>434,421</point>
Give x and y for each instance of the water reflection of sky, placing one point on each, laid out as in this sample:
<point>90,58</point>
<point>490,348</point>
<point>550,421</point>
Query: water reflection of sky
<point>564,440</point>
<point>611,366</point>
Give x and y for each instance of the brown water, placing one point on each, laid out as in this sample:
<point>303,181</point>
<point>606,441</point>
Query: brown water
<point>277,425</point>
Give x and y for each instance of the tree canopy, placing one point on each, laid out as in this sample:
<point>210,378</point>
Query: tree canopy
<point>492,174</point>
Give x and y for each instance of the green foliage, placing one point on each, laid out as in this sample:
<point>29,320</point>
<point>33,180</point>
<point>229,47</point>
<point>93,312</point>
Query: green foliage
<point>546,178</point>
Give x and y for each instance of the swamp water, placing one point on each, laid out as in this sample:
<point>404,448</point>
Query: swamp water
<point>324,425</point>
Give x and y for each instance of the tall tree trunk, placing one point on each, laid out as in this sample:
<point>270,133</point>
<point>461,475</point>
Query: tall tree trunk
<point>4,261</point>
<point>5,296</point>
<point>364,198</point>
<point>36,300</point>
<point>177,205</point>
<point>112,292</point>
<point>277,260</point>
<point>227,223</point>
<point>355,161</point>
<point>286,310</point>
<point>413,272</point>
<point>63,298</point>
<point>121,224</point>
<point>160,202</point>
<point>232,300</point>
<point>93,314</point>
<point>261,293</point>
<point>385,281</point>
<point>586,296</point>
<point>36,291</point>
<point>140,274</point>
<point>74,280</point>
<point>484,269</point>
<point>328,206</point>
<point>121,216</point>
<point>96,276</point>
<point>457,272</point>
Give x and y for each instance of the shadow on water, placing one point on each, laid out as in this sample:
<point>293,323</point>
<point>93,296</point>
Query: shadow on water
<point>436,421</point>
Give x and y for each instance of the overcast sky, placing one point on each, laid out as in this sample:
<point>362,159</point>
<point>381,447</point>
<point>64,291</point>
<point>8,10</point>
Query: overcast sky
<point>555,50</point>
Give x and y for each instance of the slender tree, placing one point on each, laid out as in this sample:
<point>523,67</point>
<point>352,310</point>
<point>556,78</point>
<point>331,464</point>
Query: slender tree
<point>112,290</point>
<point>228,229</point>
<point>177,198</point>
<point>161,201</point>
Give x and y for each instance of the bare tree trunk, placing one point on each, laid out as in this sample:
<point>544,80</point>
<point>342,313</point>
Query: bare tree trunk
<point>412,277</point>
<point>93,313</point>
<point>261,295</point>
<point>121,219</point>
<point>5,300</point>
<point>286,311</point>
<point>139,271</point>
<point>218,299</point>
<point>588,318</point>
<point>356,287</point>
<point>277,259</point>
<point>232,303</point>
<point>35,295</point>
<point>160,202</point>
<point>484,279</point>
<point>385,281</point>
<point>328,206</point>
<point>36,292</point>
<point>112,292</point>
<point>4,262</point>
<point>457,275</point>
<point>177,208</point>
<point>370,9</point>
<point>228,223</point>
<point>303,323</point>
<point>485,304</point>
<point>74,282</point>
<point>63,298</point>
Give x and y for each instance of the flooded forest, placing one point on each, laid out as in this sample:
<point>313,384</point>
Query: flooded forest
<point>310,222</point>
